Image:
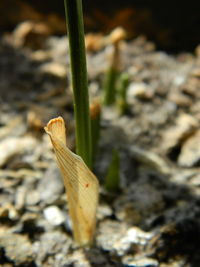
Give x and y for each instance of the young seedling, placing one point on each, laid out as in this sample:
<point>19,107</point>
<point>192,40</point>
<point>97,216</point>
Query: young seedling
<point>109,87</point>
<point>113,71</point>
<point>112,180</point>
<point>75,29</point>
<point>80,183</point>
<point>122,92</point>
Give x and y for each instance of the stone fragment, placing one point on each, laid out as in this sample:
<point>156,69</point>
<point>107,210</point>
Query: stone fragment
<point>190,151</point>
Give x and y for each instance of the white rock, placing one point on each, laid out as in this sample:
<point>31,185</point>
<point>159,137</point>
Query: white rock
<point>136,235</point>
<point>54,215</point>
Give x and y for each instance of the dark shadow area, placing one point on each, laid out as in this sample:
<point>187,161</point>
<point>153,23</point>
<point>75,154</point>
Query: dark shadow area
<point>172,25</point>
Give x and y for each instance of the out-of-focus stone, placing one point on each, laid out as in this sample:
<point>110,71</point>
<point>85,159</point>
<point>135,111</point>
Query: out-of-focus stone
<point>139,90</point>
<point>51,186</point>
<point>13,146</point>
<point>51,243</point>
<point>150,159</point>
<point>140,201</point>
<point>30,34</point>
<point>190,87</point>
<point>196,72</point>
<point>180,100</point>
<point>54,69</point>
<point>190,151</point>
<point>9,211</point>
<point>115,236</point>
<point>40,56</point>
<point>17,248</point>
<point>110,234</point>
<point>32,198</point>
<point>185,125</point>
<point>137,236</point>
<point>104,211</point>
<point>14,127</point>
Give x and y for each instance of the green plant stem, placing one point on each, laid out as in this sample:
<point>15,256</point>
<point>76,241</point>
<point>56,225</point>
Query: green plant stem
<point>122,92</point>
<point>110,86</point>
<point>112,180</point>
<point>75,28</point>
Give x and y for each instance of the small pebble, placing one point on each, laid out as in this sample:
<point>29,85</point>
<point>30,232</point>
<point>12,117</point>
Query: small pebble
<point>54,215</point>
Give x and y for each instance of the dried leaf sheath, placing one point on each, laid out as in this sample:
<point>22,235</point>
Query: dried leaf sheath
<point>81,184</point>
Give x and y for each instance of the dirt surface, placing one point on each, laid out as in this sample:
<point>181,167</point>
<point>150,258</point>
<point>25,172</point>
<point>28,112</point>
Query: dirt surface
<point>154,219</point>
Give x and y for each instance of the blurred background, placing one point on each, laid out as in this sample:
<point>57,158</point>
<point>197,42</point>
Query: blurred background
<point>172,25</point>
<point>151,133</point>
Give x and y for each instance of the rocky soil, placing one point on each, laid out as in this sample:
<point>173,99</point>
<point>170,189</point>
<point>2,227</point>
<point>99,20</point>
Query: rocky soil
<point>154,220</point>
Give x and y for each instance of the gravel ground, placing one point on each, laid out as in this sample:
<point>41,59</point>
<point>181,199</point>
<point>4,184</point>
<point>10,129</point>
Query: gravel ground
<point>153,219</point>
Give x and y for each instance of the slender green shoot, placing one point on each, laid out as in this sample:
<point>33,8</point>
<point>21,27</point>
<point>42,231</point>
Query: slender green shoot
<point>112,180</point>
<point>122,92</point>
<point>111,75</point>
<point>75,29</point>
<point>110,86</point>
